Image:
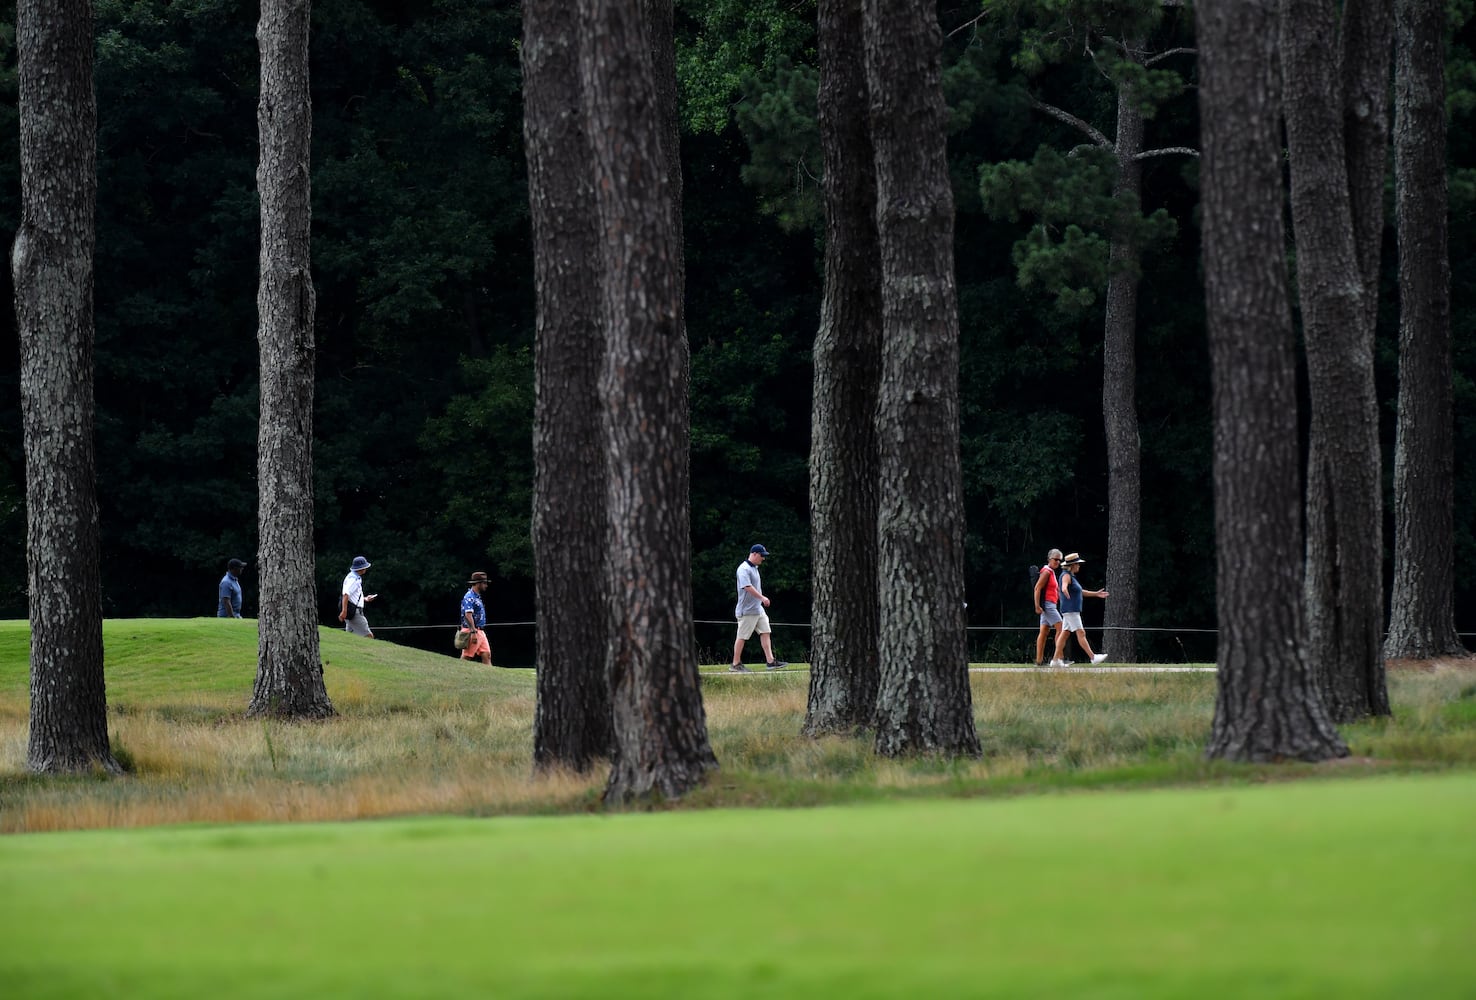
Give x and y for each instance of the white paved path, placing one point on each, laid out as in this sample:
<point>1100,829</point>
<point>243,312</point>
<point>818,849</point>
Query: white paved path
<point>1144,669</point>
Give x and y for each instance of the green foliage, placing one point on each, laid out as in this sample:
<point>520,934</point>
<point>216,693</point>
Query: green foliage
<point>481,449</point>
<point>1066,252</point>
<point>722,43</point>
<point>1051,32</point>
<point>422,264</point>
<point>778,118</point>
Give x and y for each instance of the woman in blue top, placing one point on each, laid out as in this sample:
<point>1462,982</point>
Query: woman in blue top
<point>1071,595</point>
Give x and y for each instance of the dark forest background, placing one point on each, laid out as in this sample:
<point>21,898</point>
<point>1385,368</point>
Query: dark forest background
<point>423,266</point>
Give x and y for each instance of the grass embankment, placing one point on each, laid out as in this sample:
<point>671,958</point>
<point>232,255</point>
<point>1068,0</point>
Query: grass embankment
<point>1333,888</point>
<point>424,733</point>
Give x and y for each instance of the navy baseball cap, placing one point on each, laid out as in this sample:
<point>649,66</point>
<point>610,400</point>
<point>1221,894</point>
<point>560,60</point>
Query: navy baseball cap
<point>760,550</point>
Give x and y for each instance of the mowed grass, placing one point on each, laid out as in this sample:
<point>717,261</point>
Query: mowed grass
<point>421,733</point>
<point>1291,889</point>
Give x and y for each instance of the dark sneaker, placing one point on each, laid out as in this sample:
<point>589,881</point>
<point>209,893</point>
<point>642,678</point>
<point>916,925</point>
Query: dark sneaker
<point>739,668</point>
<point>777,665</point>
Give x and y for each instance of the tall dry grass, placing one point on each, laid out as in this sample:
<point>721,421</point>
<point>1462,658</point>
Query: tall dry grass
<point>200,761</point>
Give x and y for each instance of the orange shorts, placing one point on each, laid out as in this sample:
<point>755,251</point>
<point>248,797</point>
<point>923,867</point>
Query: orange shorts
<point>477,646</point>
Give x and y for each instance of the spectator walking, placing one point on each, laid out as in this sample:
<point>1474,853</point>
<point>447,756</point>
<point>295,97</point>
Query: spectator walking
<point>474,619</point>
<point>1047,594</point>
<point>750,612</point>
<point>351,606</point>
<point>228,594</point>
<point>1071,595</point>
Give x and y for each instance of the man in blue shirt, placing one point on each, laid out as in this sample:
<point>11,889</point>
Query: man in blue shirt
<point>750,611</point>
<point>228,595</point>
<point>474,619</point>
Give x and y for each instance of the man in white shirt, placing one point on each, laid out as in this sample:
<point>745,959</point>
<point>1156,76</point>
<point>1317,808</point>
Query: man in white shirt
<point>351,606</point>
<point>750,611</point>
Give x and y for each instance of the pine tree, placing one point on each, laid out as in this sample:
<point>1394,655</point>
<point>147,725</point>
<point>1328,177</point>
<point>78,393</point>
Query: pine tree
<point>289,672</point>
<point>845,615</point>
<point>572,725</point>
<point>51,265</point>
<point>1268,706</point>
<point>923,704</point>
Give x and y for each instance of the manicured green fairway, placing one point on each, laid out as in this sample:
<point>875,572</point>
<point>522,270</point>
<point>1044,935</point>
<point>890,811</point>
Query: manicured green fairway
<point>1311,889</point>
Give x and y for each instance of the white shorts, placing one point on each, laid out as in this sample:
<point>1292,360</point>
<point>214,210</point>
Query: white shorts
<point>749,624</point>
<point>1071,621</point>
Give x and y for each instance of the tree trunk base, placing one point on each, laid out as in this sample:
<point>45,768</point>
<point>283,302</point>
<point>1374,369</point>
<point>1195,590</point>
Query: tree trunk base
<point>105,764</point>
<point>635,785</point>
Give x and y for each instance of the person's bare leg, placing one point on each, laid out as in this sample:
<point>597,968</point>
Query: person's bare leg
<point>1040,645</point>
<point>738,651</point>
<point>1081,637</point>
<point>1061,635</point>
<point>766,641</point>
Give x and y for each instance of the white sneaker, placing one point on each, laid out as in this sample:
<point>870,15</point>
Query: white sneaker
<point>1058,663</point>
<point>1099,657</point>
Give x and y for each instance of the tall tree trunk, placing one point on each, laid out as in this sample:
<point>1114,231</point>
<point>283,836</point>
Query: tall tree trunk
<point>1422,609</point>
<point>661,741</point>
<point>661,37</point>
<point>1365,53</point>
<point>51,266</point>
<point>923,701</point>
<point>845,613</point>
<point>1268,706</point>
<point>572,725</point>
<point>289,671</point>
<point>1119,391</point>
<point>1344,589</point>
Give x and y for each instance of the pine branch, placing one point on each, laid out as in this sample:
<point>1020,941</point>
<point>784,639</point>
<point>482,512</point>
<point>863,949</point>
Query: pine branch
<point>1170,52</point>
<point>1167,151</point>
<point>1070,119</point>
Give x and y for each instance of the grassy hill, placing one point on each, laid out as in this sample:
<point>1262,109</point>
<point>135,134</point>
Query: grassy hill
<point>159,661</point>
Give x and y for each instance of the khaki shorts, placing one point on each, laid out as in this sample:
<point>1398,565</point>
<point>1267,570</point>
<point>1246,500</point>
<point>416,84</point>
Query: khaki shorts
<point>749,624</point>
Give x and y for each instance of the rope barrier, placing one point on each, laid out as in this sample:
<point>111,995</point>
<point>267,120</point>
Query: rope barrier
<point>971,628</point>
<point>403,628</point>
<point>729,622</point>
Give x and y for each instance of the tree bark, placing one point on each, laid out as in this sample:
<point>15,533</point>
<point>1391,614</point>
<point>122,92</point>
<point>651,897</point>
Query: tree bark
<point>289,670</point>
<point>1268,706</point>
<point>572,724</point>
<point>845,611</point>
<point>1119,391</point>
<point>660,727</point>
<point>923,701</point>
<point>1365,52</point>
<point>1344,589</point>
<point>51,266</point>
<point>1421,607</point>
